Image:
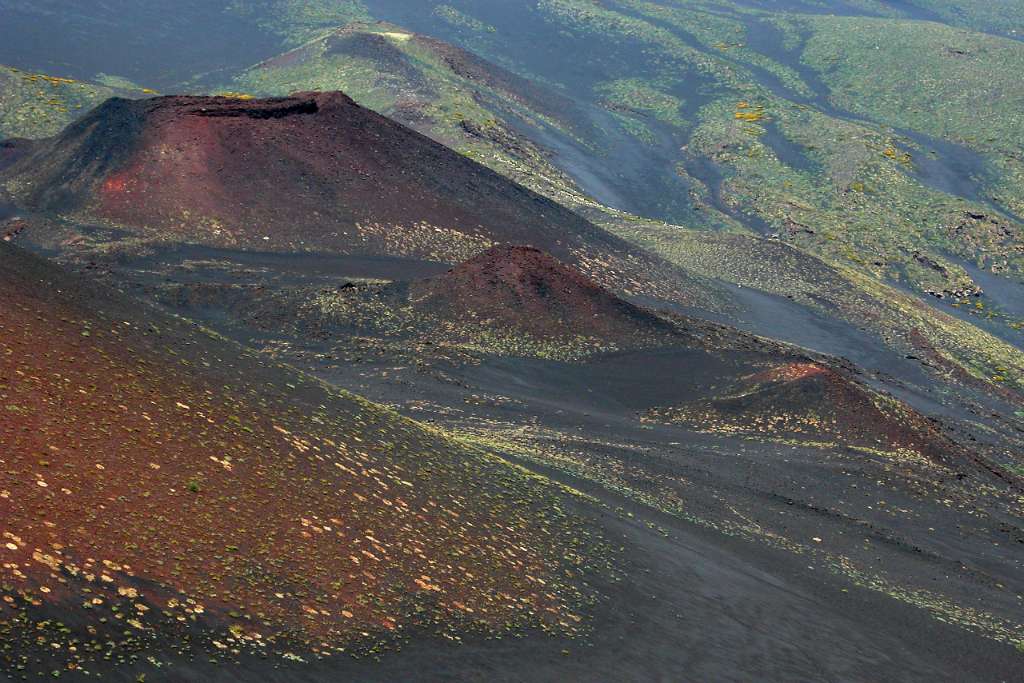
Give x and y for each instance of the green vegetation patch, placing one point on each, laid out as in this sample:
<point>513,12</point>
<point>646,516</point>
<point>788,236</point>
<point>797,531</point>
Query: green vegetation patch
<point>635,95</point>
<point>298,21</point>
<point>34,105</point>
<point>460,19</point>
<point>912,75</point>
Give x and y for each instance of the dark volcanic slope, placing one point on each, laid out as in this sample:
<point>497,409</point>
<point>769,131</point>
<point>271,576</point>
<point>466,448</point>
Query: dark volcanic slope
<point>812,402</point>
<point>750,387</point>
<point>312,172</point>
<point>518,302</point>
<point>533,292</point>
<point>12,150</point>
<point>159,486</point>
<point>506,301</point>
<point>795,453</point>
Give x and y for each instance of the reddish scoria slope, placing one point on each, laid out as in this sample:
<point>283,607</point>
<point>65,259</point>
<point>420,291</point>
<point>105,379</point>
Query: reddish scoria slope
<point>811,402</point>
<point>532,292</point>
<point>311,172</point>
<point>158,486</point>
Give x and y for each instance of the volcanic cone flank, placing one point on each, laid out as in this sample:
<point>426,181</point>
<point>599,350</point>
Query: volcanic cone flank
<point>174,485</point>
<point>310,171</point>
<point>534,292</point>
